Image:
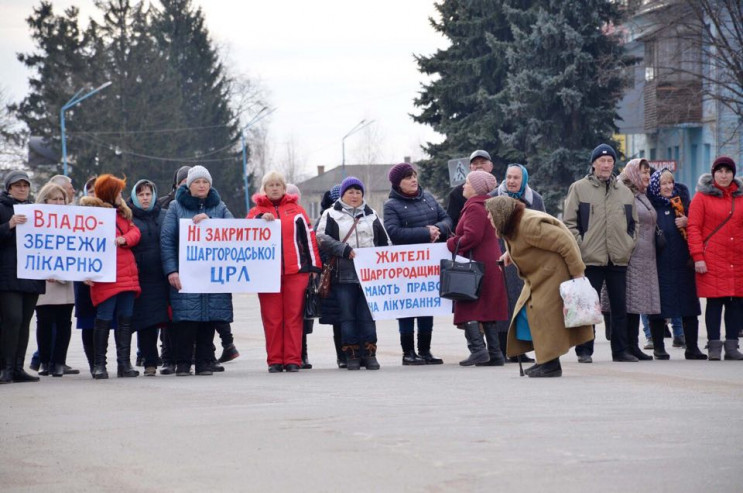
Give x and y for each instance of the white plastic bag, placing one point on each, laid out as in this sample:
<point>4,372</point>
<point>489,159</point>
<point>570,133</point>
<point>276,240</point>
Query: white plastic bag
<point>581,305</point>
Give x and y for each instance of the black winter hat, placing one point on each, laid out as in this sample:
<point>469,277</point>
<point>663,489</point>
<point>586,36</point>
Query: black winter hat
<point>603,150</point>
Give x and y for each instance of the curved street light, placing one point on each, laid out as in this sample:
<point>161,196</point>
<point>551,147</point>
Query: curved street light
<point>76,99</point>
<point>362,124</point>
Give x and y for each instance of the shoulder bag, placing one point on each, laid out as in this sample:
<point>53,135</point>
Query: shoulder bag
<point>460,281</point>
<point>329,267</point>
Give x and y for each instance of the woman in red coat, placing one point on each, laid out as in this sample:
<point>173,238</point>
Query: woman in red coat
<point>715,233</point>
<point>115,297</point>
<point>282,312</point>
<point>475,235</point>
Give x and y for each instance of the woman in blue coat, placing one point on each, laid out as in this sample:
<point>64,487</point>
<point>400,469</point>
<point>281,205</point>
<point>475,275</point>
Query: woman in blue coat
<point>151,308</point>
<point>678,291</point>
<point>194,314</point>
<point>412,215</point>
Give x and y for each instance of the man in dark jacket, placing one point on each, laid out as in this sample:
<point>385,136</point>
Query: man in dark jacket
<point>479,160</point>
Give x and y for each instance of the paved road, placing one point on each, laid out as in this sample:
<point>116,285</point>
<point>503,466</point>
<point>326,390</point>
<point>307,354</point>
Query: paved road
<point>654,426</point>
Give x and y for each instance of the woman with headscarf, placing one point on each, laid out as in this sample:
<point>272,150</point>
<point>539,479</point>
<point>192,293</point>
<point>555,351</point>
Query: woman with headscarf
<point>54,308</point>
<point>352,217</point>
<point>194,314</point>
<point>17,296</point>
<point>151,308</point>
<point>515,185</point>
<point>282,313</point>
<point>116,297</point>
<point>475,236</point>
<point>546,254</point>
<point>678,290</point>
<point>643,294</point>
<point>412,215</point>
<point>715,230</point>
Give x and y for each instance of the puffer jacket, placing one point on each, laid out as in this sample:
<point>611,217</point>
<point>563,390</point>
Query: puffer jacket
<point>151,308</point>
<point>406,218</point>
<point>643,293</point>
<point>127,275</point>
<point>678,288</point>
<point>193,307</point>
<point>723,250</point>
<point>334,226</point>
<point>603,219</point>
<point>8,253</point>
<point>299,252</point>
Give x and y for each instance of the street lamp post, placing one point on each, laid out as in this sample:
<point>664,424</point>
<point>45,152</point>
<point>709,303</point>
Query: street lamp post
<point>259,116</point>
<point>362,124</point>
<point>76,99</point>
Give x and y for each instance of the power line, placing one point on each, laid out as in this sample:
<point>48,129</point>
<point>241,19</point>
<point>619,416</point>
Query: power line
<point>195,159</point>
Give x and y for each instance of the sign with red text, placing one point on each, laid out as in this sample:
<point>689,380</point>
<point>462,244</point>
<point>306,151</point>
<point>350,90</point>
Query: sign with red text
<point>658,165</point>
<point>67,243</point>
<point>230,256</point>
<point>402,281</point>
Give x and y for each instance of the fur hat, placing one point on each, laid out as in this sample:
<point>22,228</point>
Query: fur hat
<point>352,181</point>
<point>198,172</point>
<point>108,187</point>
<point>14,177</point>
<point>399,172</point>
<point>725,161</point>
<point>482,182</point>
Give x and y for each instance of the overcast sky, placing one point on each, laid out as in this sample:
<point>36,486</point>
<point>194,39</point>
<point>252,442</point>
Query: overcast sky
<point>325,65</point>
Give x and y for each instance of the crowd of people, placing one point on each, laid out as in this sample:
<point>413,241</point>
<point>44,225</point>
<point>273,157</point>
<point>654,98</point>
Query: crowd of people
<point>636,236</point>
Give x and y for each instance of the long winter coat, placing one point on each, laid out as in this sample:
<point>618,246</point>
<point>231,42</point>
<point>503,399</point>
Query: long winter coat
<point>476,235</point>
<point>8,253</point>
<point>532,200</point>
<point>643,294</point>
<point>335,224</point>
<point>299,252</point>
<point>127,275</point>
<point>546,254</point>
<point>723,251</point>
<point>151,308</point>
<point>406,218</point>
<point>678,290</point>
<point>193,307</point>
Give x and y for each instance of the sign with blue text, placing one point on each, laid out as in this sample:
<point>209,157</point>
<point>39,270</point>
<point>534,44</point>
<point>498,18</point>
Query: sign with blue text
<point>230,256</point>
<point>67,243</point>
<point>402,281</point>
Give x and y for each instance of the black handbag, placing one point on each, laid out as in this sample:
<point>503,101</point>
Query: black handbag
<point>312,299</point>
<point>660,239</point>
<point>460,281</point>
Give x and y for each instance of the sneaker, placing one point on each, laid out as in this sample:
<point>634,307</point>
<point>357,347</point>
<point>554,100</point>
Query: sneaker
<point>648,344</point>
<point>150,371</point>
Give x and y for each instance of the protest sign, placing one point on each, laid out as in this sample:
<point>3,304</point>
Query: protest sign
<point>402,281</point>
<point>68,243</point>
<point>230,256</point>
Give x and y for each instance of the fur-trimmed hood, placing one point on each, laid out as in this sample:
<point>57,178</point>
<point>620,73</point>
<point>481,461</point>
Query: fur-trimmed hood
<point>122,209</point>
<point>706,185</point>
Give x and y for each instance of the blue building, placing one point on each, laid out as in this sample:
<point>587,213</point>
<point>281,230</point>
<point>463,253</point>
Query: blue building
<point>667,113</point>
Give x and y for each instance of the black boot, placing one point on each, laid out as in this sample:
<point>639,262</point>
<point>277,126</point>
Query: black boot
<point>476,345</point>
<point>369,359</point>
<point>306,365</point>
<point>229,353</point>
<point>633,343</point>
<point>492,337</point>
<point>100,347</point>
<point>340,355</point>
<point>123,338</point>
<point>551,368</point>
<point>424,349</point>
<point>6,374</point>
<point>657,327</point>
<point>353,358</point>
<point>407,341</point>
<point>691,335</point>
<point>20,375</point>
<point>87,337</point>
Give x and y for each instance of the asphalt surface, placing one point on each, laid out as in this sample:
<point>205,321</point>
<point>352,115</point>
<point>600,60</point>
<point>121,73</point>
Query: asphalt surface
<point>652,426</point>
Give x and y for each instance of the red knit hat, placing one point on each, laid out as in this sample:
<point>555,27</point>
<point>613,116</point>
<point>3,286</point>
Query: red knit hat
<point>723,161</point>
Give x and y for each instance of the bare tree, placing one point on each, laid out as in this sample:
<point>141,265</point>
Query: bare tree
<point>292,163</point>
<point>703,41</point>
<point>370,142</point>
<point>12,136</point>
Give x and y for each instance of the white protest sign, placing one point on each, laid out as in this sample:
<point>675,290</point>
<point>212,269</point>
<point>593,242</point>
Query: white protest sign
<point>230,256</point>
<point>402,281</point>
<point>65,242</point>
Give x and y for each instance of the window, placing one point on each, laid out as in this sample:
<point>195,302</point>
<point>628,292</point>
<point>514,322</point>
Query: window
<point>707,155</point>
<point>669,155</point>
<point>652,154</point>
<point>642,153</point>
<point>676,154</point>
